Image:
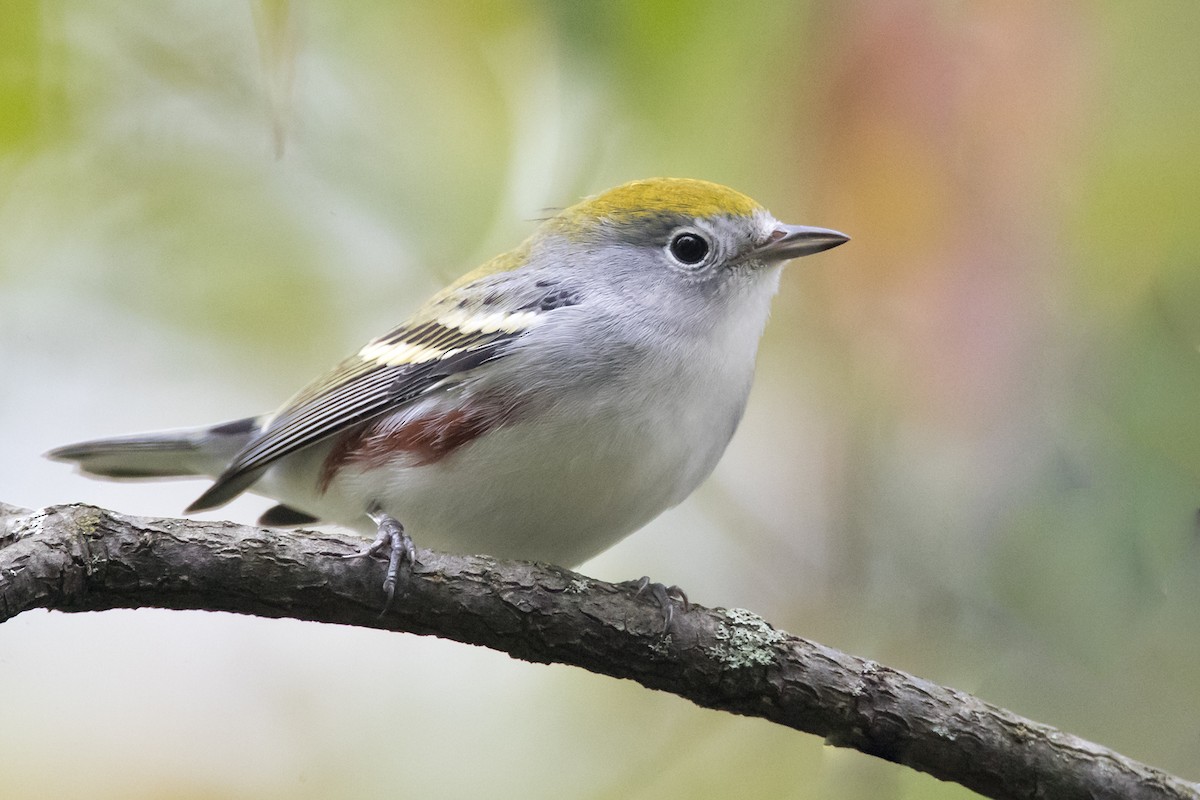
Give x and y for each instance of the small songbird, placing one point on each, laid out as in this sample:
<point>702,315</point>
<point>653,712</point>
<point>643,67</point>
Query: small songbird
<point>541,407</point>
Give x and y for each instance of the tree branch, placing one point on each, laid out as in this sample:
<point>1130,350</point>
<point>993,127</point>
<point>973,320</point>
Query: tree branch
<point>82,558</point>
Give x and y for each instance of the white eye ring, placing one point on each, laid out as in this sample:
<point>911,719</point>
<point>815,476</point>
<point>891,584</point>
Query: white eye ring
<point>690,248</point>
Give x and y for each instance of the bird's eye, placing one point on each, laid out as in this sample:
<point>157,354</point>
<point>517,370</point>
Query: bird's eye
<point>689,248</point>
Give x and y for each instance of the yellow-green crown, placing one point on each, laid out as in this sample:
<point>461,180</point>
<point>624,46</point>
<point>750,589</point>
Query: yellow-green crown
<point>650,200</point>
<point>656,196</point>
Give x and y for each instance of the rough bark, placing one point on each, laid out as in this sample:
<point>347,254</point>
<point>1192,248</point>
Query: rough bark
<point>82,558</point>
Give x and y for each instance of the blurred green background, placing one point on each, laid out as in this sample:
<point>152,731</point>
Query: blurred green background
<point>972,451</point>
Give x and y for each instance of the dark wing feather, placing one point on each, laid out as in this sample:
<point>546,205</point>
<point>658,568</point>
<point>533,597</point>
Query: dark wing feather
<point>359,390</point>
<point>464,326</point>
<point>285,517</point>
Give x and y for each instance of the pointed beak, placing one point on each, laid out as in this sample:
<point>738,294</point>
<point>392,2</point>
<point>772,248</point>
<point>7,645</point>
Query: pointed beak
<point>793,241</point>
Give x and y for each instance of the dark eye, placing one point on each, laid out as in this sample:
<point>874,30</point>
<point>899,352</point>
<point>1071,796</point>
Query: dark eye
<point>689,248</point>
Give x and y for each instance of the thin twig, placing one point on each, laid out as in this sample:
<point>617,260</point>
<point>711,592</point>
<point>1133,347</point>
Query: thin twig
<point>82,558</point>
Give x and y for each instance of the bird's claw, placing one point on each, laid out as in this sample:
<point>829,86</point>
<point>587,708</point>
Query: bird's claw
<point>399,545</point>
<point>666,596</point>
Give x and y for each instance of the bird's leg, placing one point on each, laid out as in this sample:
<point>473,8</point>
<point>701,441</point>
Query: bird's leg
<point>666,597</point>
<point>399,544</point>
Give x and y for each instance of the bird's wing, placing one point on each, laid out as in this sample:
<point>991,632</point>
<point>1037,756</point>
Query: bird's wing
<point>450,337</point>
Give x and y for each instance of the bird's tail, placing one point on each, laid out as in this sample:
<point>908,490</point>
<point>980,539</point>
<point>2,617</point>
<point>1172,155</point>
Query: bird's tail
<point>167,454</point>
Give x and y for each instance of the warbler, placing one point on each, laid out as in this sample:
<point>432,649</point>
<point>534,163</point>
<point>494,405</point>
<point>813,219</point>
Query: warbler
<point>542,407</point>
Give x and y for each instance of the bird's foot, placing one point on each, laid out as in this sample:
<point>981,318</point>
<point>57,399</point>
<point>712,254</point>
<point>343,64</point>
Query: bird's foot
<point>667,597</point>
<point>399,545</point>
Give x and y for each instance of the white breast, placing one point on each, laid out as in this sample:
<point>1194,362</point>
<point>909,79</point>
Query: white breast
<point>621,438</point>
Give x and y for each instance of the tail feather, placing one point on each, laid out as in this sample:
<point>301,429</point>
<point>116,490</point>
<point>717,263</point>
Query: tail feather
<point>198,451</point>
<point>153,456</point>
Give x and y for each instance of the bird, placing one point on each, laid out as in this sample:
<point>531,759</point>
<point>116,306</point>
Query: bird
<point>542,407</point>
